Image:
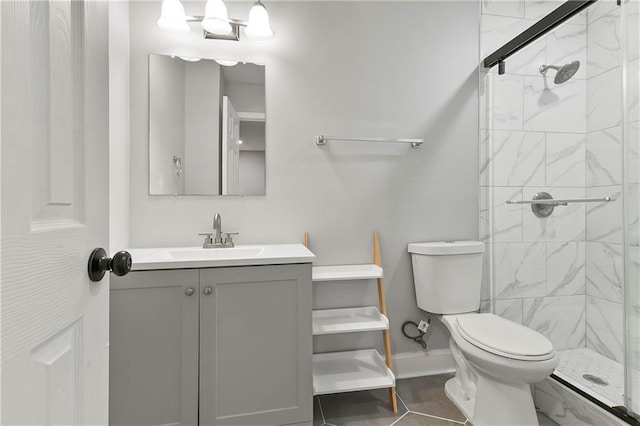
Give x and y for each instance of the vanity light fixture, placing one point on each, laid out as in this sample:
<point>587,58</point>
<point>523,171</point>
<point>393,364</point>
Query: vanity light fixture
<point>187,58</point>
<point>226,63</point>
<point>216,22</point>
<point>173,18</point>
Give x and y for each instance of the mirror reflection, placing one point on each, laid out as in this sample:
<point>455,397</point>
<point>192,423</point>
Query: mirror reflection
<point>206,127</point>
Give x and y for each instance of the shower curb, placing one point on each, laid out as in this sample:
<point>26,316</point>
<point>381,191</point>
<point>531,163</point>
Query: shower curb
<point>568,408</point>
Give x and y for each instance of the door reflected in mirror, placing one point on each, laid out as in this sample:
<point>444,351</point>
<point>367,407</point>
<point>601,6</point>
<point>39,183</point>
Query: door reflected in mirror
<point>206,127</point>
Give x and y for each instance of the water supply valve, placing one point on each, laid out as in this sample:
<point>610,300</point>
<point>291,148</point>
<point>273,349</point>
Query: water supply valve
<point>422,328</point>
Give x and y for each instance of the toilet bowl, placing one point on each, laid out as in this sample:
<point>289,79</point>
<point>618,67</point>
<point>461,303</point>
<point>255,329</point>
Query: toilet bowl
<point>496,359</point>
<point>496,362</point>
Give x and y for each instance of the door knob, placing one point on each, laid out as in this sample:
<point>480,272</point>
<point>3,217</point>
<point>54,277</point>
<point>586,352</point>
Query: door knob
<point>99,263</point>
<point>207,291</point>
<point>189,291</point>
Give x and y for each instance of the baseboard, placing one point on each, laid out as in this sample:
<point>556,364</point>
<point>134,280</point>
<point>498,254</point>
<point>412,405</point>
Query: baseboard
<point>423,363</point>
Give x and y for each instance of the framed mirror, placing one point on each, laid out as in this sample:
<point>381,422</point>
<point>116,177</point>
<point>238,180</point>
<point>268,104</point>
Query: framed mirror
<point>206,127</point>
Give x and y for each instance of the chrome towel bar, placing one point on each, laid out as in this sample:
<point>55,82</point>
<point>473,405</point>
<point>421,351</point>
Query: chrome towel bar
<point>415,143</point>
<point>563,202</point>
<point>543,204</point>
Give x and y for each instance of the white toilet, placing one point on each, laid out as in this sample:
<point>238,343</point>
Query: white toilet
<point>496,359</point>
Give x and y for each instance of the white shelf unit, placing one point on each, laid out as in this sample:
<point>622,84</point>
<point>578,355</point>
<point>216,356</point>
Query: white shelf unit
<point>348,320</point>
<point>346,272</point>
<point>335,372</point>
<point>357,370</point>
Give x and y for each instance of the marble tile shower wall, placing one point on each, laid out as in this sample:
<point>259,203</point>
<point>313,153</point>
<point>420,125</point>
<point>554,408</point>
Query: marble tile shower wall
<point>560,275</point>
<point>604,154</point>
<point>604,167</point>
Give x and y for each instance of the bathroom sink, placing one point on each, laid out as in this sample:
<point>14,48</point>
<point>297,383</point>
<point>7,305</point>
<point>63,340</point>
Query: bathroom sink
<point>217,253</point>
<point>198,257</point>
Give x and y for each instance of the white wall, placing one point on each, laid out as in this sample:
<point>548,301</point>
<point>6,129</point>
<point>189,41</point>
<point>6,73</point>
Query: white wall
<point>119,170</point>
<point>395,69</point>
<point>168,126</point>
<point>246,97</point>
<point>252,172</point>
<point>202,128</point>
<point>252,134</point>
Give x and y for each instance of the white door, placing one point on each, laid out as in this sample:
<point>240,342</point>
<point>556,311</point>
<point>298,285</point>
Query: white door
<point>230,149</point>
<point>54,199</point>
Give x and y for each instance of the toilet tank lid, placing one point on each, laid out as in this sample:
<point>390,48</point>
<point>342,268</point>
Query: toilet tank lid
<point>447,247</point>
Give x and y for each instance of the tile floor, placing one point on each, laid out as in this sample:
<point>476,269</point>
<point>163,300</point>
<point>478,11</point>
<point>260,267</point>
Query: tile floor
<point>421,401</point>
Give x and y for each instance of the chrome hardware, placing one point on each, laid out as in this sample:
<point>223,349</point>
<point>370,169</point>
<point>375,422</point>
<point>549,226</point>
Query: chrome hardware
<point>217,227</point>
<point>544,209</point>
<point>207,291</point>
<point>208,240</point>
<point>211,241</point>
<point>228,239</point>
<point>189,292</point>
<point>415,143</point>
<point>99,263</point>
<point>543,204</point>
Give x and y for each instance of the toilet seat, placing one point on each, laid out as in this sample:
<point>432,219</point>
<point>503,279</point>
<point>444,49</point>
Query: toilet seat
<point>504,338</point>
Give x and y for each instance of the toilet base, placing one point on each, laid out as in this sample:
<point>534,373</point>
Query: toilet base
<point>494,403</point>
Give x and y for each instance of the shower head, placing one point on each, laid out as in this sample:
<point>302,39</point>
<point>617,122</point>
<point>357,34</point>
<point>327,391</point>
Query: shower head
<point>564,72</point>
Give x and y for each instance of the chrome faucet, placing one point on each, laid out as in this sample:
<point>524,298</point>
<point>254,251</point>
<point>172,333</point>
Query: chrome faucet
<point>217,226</point>
<point>214,239</point>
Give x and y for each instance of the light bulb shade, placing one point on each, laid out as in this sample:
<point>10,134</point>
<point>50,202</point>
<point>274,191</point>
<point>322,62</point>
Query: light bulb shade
<point>258,27</point>
<point>216,20</point>
<point>172,17</point>
<point>226,63</point>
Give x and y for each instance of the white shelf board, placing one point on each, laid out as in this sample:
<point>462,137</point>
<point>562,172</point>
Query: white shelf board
<point>350,371</point>
<point>348,320</point>
<point>346,272</point>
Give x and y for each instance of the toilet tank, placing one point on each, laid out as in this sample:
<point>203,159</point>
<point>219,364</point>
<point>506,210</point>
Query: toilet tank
<point>447,275</point>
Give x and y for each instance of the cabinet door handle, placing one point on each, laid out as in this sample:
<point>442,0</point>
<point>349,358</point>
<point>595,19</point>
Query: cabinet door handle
<point>207,291</point>
<point>189,292</point>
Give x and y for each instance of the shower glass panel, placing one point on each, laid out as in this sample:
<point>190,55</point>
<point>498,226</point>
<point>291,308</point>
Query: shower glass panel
<point>563,119</point>
<point>630,23</point>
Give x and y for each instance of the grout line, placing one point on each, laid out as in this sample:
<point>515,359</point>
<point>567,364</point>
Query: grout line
<point>399,418</point>
<point>324,421</point>
<point>405,405</point>
<point>438,417</point>
<point>421,414</point>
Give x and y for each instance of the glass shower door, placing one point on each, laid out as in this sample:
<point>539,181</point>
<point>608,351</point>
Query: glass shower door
<point>630,34</point>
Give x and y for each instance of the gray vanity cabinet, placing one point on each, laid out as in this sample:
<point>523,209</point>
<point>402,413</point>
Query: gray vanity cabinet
<point>153,360</point>
<point>235,351</point>
<point>256,345</point>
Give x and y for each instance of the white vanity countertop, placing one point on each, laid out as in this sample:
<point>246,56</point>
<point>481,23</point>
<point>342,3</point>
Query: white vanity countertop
<point>197,257</point>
